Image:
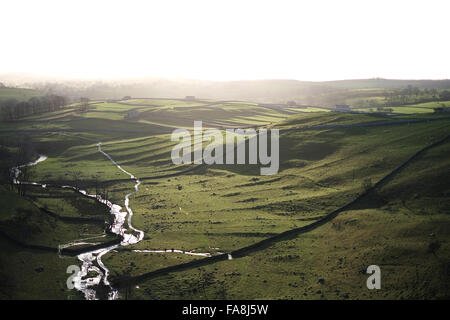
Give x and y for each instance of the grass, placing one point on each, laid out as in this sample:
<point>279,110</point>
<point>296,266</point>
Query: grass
<point>19,94</point>
<point>410,110</point>
<point>20,280</point>
<point>390,229</point>
<point>431,105</point>
<point>66,203</point>
<point>221,208</point>
<point>419,108</point>
<point>24,221</point>
<point>315,176</point>
<point>24,273</point>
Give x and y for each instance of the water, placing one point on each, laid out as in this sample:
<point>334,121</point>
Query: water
<point>92,260</point>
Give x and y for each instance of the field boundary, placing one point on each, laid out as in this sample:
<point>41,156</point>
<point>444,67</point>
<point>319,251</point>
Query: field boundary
<point>281,236</point>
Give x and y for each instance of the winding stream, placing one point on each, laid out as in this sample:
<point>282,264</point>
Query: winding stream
<point>92,260</point>
<point>88,259</point>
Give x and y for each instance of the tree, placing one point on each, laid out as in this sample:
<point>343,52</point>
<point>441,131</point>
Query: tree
<point>35,104</point>
<point>84,104</point>
<point>25,152</point>
<point>12,109</point>
<point>444,95</point>
<point>26,173</point>
<point>7,107</point>
<point>95,179</point>
<point>76,178</point>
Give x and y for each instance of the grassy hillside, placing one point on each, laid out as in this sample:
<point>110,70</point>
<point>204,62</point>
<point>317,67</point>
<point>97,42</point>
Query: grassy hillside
<point>272,90</point>
<point>177,113</point>
<point>19,94</point>
<point>388,83</point>
<point>394,228</point>
<point>29,273</point>
<point>327,159</point>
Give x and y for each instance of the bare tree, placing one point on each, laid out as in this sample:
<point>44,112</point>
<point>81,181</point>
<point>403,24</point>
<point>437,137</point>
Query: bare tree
<point>84,104</point>
<point>76,178</point>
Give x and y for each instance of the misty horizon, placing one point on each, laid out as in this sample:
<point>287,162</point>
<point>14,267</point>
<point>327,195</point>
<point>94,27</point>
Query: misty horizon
<point>232,41</point>
<point>36,77</point>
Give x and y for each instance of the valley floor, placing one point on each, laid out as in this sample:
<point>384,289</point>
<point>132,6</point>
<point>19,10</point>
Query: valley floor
<point>327,160</point>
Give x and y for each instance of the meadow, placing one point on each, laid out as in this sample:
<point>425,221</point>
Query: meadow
<point>327,159</point>
<point>19,94</point>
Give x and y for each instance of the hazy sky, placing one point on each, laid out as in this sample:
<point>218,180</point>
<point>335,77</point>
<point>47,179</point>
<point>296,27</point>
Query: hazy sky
<point>227,40</point>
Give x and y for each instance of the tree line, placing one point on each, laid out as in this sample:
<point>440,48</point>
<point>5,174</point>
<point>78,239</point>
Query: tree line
<point>12,109</point>
<point>14,153</point>
<point>414,95</point>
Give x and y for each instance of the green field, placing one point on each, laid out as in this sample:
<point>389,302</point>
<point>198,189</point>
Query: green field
<point>19,94</point>
<point>176,113</point>
<point>327,159</point>
<point>431,105</point>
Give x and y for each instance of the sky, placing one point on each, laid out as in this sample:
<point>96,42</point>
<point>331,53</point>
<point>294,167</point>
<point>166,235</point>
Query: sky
<point>227,40</point>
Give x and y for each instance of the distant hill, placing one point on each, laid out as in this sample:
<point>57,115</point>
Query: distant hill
<point>275,91</point>
<point>20,94</point>
<point>388,84</point>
